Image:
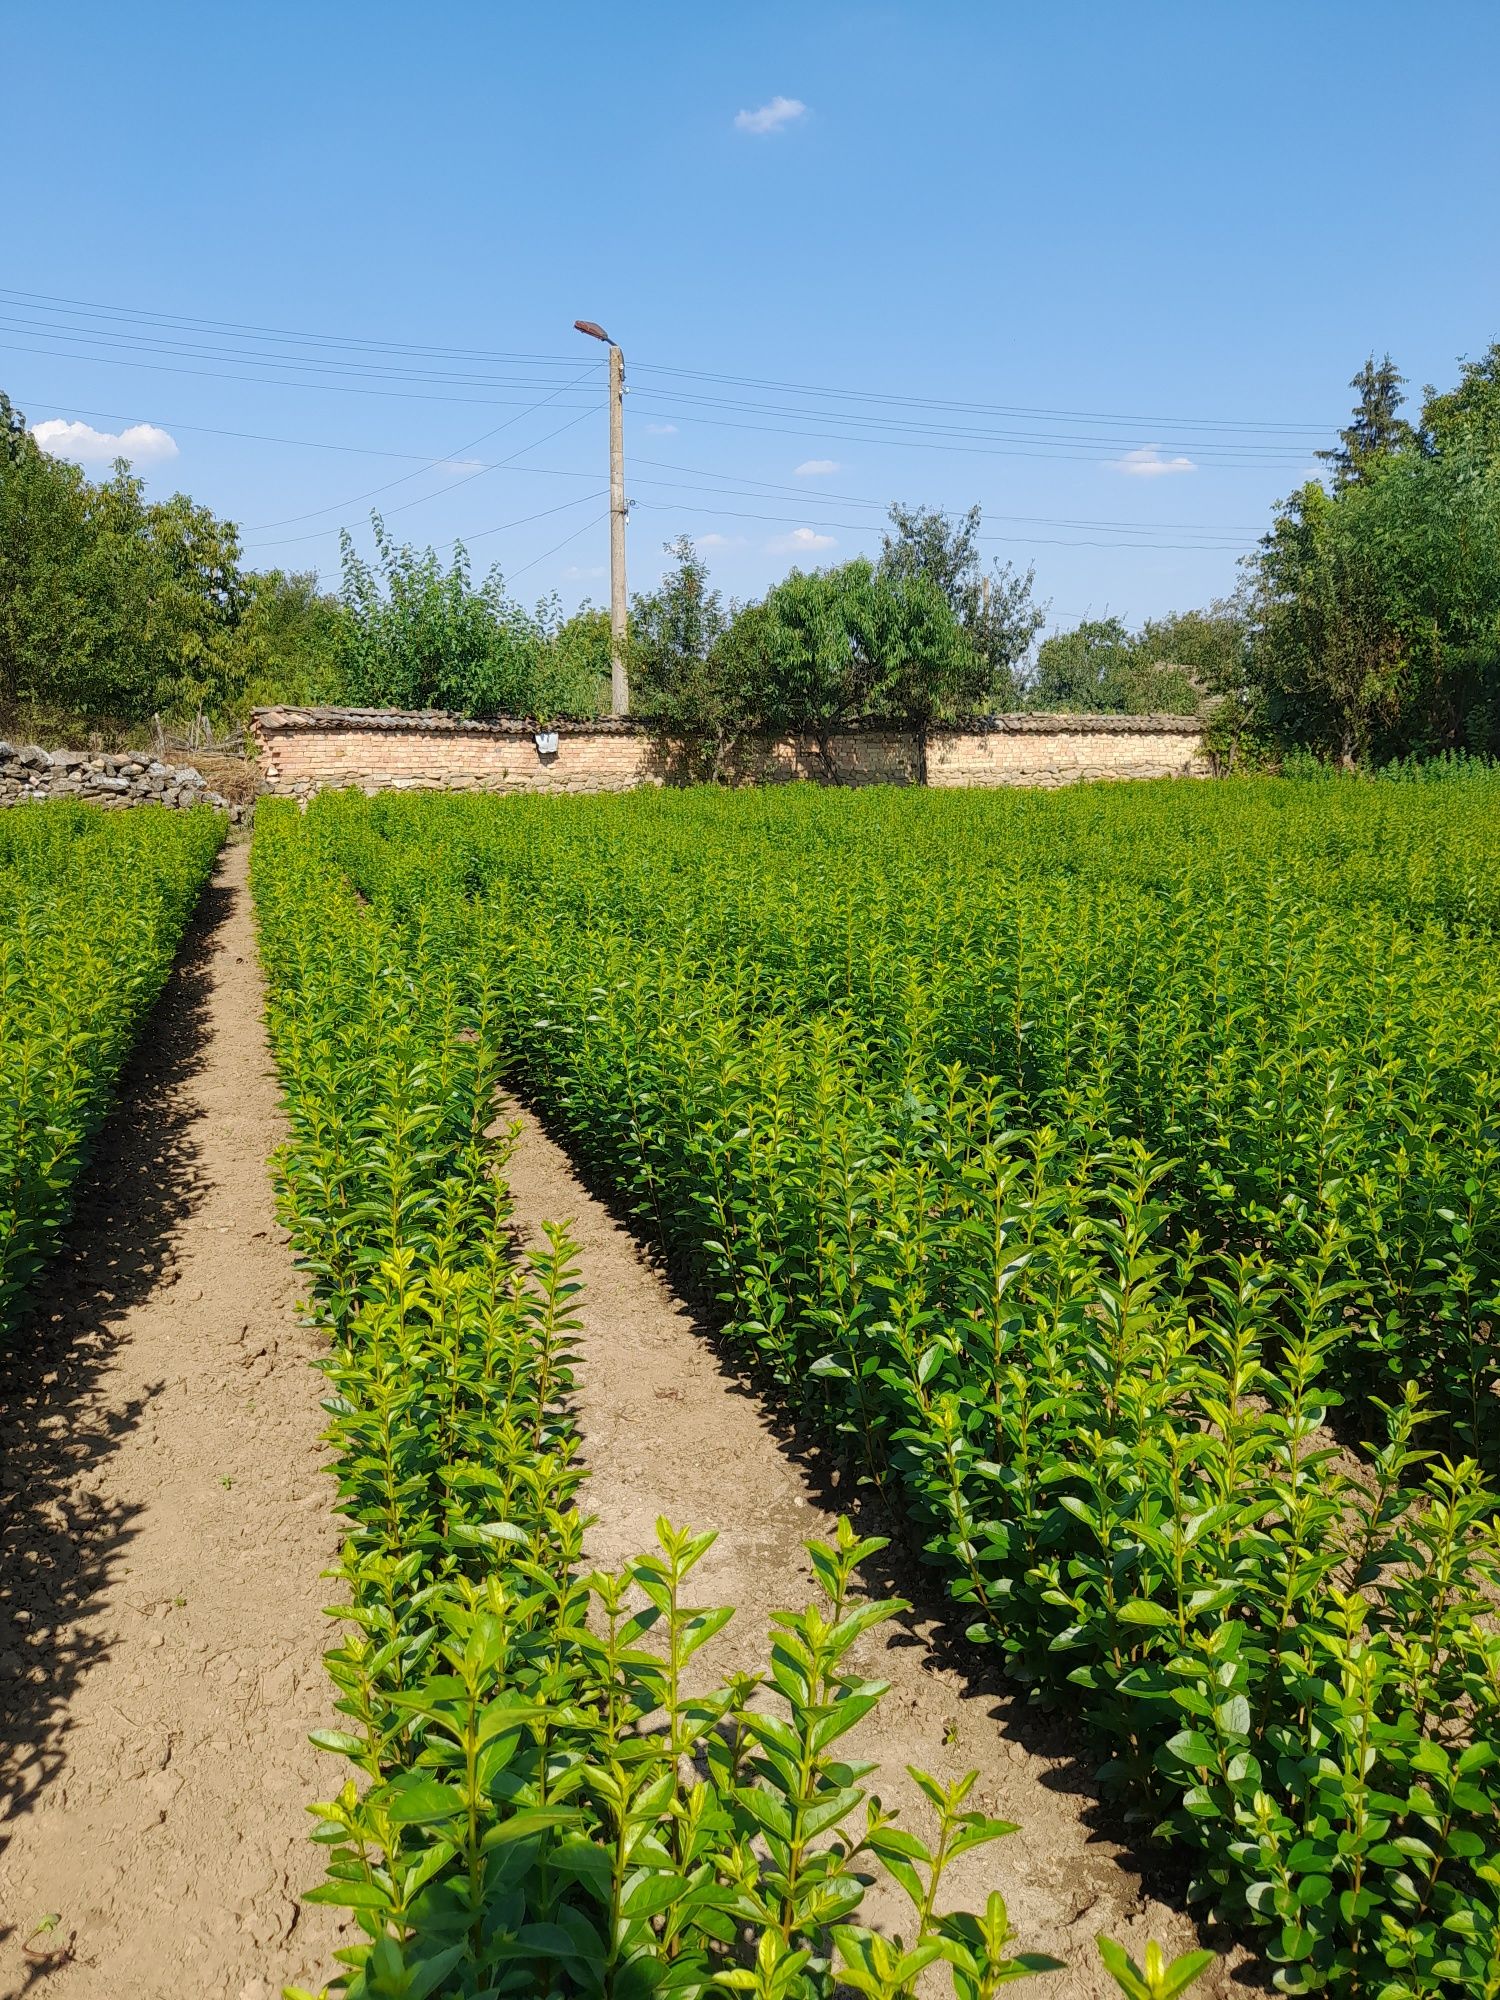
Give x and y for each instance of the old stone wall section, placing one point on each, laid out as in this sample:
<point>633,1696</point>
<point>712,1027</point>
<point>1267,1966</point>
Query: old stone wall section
<point>303,751</point>
<point>125,778</point>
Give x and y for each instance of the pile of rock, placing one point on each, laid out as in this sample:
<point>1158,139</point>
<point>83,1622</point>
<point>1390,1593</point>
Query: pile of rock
<point>123,778</point>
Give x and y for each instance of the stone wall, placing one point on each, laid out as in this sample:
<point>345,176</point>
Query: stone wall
<point>124,778</point>
<point>1067,749</point>
<point>303,751</point>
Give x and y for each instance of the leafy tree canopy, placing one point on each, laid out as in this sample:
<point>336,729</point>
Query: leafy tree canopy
<point>1468,414</point>
<point>994,607</point>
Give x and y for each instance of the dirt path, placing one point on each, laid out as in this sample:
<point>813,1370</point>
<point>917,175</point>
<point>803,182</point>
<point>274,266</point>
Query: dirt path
<point>163,1524</point>
<point>669,1430</point>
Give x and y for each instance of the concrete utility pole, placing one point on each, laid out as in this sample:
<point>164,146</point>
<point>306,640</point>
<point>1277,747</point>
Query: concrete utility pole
<point>619,684</point>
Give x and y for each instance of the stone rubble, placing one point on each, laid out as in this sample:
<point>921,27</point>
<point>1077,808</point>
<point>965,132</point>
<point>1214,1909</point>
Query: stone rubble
<point>105,778</point>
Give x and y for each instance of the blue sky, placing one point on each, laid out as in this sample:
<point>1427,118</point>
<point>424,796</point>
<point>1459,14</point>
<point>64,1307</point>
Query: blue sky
<point>1105,270</point>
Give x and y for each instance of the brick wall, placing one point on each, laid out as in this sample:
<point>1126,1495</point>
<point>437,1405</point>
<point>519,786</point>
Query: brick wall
<point>302,751</point>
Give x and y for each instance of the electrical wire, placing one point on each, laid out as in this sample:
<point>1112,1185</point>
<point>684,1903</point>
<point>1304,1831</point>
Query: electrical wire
<point>265,381</point>
<point>405,506</point>
<point>240,330</point>
<point>253,437</point>
<point>578,500</point>
<point>870,426</point>
<point>674,403</point>
<point>337,506</point>
<point>937,444</point>
<point>872,528</point>
<point>986,409</point>
<point>313,365</point>
<point>1208,536</point>
<point>821,497</point>
<point>748,489</point>
<point>813,425</point>
<point>597,523</point>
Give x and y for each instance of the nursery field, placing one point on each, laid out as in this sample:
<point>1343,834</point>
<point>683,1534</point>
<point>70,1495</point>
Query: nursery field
<point>92,908</point>
<point>1109,1176</point>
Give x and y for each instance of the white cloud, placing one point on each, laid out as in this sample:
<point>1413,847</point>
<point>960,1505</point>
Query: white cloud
<point>584,572</point>
<point>661,430</point>
<point>800,542</point>
<point>717,541</point>
<point>770,117</point>
<point>141,443</point>
<point>817,468</point>
<point>1146,462</point>
<point>460,465</point>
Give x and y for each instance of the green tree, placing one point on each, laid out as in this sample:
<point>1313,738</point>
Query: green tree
<point>288,642</point>
<point>925,667</point>
<point>1379,610</point>
<point>993,607</point>
<point>797,655</point>
<point>418,636</point>
<point>1169,667</point>
<point>1469,413</point>
<point>164,593</point>
<point>42,544</point>
<point>1085,670</point>
<point>112,608</point>
<point>683,677</point>
<point>574,665</point>
<point>857,642</point>
<point>1207,647</point>
<point>674,630</point>
<point>1376,429</point>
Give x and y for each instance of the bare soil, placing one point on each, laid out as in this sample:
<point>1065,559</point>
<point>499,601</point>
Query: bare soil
<point>164,1522</point>
<point>669,1428</point>
<point>163,1525</point>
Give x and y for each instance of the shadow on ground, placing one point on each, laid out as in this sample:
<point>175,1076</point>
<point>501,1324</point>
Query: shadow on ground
<point>61,1544</point>
<point>932,1624</point>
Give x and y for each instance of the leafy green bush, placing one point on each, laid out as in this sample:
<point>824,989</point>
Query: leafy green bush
<point>1067,1158</point>
<point>538,1802</point>
<point>95,904</point>
<point>112,608</point>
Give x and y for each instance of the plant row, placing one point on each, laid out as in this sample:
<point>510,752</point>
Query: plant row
<point>546,1793</point>
<point>1290,993</point>
<point>95,905</point>
<point>1110,1429</point>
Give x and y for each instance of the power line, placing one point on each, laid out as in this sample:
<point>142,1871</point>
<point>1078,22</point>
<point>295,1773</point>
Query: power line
<point>672,403</point>
<point>337,506</point>
<point>1210,534</point>
<point>337,527</point>
<point>314,365</point>
<point>492,402</point>
<point>266,381</point>
<point>933,444</point>
<point>597,523</point>
<point>578,500</point>
<point>253,437</point>
<point>986,409</point>
<point>238,329</point>
<point>871,528</point>
<point>674,406</point>
<point>46,301</point>
<point>822,497</point>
